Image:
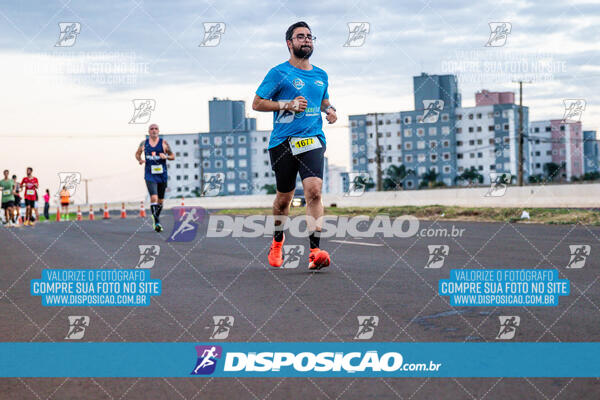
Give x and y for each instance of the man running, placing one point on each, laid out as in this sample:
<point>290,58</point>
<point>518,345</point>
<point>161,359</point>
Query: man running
<point>156,153</point>
<point>8,198</point>
<point>30,183</point>
<point>296,92</point>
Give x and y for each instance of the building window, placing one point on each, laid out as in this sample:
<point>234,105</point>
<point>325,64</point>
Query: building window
<point>218,164</point>
<point>206,164</point>
<point>229,152</point>
<point>242,139</point>
<point>177,142</point>
<point>231,187</point>
<point>218,152</point>
<point>218,140</point>
<point>230,175</point>
<point>433,157</point>
<point>446,143</point>
<point>408,158</point>
<point>446,169</point>
<point>459,156</point>
<point>420,144</point>
<point>432,144</point>
<point>408,146</point>
<point>458,130</point>
<point>420,132</point>
<point>445,130</point>
<point>446,156</point>
<point>408,132</point>
<point>433,131</point>
<point>242,151</point>
<point>478,115</point>
<point>421,158</point>
<point>445,117</point>
<point>243,163</point>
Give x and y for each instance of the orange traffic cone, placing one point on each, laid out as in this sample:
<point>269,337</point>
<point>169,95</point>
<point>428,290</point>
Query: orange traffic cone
<point>182,211</point>
<point>91,213</point>
<point>123,212</point>
<point>58,214</point>
<point>142,210</point>
<point>106,214</point>
<point>79,217</point>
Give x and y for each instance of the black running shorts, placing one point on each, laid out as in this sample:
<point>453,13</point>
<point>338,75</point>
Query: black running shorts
<point>286,165</point>
<point>155,188</point>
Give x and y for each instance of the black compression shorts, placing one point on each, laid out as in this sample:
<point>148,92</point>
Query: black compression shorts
<point>155,188</point>
<point>286,165</point>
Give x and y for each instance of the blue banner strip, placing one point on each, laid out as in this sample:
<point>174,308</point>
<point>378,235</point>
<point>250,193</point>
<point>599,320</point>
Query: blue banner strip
<point>181,359</point>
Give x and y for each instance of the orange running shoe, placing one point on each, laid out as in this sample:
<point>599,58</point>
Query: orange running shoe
<point>318,259</point>
<point>275,254</point>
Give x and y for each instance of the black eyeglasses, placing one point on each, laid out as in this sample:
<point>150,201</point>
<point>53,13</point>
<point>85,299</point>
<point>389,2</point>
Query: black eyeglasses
<point>301,37</point>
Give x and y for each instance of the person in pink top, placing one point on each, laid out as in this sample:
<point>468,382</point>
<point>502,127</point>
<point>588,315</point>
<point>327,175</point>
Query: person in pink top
<point>47,205</point>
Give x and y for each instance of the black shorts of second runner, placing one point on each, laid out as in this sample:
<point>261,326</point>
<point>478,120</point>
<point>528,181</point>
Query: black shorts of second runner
<point>8,204</point>
<point>155,188</point>
<point>30,203</point>
<point>17,201</point>
<point>286,165</point>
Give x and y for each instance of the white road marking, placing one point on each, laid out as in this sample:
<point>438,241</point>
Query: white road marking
<point>358,243</point>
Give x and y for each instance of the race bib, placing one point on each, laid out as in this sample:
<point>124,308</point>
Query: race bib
<point>302,145</point>
<point>6,192</point>
<point>156,169</point>
<point>30,192</point>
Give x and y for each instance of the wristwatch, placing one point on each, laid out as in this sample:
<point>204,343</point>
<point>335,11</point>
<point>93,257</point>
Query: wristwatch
<point>332,107</point>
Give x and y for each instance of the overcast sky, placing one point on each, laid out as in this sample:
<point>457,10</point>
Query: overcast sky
<point>49,91</point>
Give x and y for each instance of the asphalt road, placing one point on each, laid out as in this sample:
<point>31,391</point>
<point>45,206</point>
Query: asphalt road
<point>384,277</point>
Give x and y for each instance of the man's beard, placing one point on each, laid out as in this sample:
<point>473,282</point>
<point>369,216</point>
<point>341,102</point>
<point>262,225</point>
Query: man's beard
<point>300,52</point>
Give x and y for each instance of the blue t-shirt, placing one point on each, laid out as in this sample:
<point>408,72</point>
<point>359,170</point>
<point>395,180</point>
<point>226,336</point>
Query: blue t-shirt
<point>286,82</point>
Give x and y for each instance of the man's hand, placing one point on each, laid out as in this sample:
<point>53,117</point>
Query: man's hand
<point>331,116</point>
<point>141,161</point>
<point>162,156</point>
<point>296,105</point>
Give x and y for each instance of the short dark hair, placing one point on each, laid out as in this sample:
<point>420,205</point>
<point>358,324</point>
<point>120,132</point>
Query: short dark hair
<point>290,30</point>
<point>29,168</point>
<point>5,170</point>
<point>14,177</point>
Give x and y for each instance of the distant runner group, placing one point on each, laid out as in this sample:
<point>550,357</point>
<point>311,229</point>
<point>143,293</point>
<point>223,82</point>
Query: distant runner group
<point>11,199</point>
